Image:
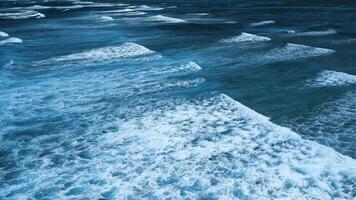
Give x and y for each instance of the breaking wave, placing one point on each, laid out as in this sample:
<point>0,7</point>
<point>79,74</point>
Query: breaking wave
<point>246,37</point>
<point>164,19</point>
<point>297,51</point>
<point>21,15</point>
<point>100,55</point>
<point>262,23</point>
<point>10,41</point>
<point>3,34</point>
<point>317,33</point>
<point>330,78</point>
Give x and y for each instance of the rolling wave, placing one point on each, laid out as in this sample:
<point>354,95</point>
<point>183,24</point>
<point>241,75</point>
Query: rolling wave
<point>3,34</point>
<point>317,33</point>
<point>21,15</point>
<point>163,19</point>
<point>101,55</point>
<point>262,23</point>
<point>246,37</point>
<point>328,78</point>
<point>11,40</point>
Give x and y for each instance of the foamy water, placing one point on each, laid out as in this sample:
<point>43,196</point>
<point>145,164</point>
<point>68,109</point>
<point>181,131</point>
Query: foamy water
<point>329,78</point>
<point>246,37</point>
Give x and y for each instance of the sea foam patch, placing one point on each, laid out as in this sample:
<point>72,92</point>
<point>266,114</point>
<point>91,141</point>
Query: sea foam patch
<point>21,15</point>
<point>163,19</point>
<point>246,37</point>
<point>146,8</point>
<point>211,146</point>
<point>11,40</point>
<point>296,51</point>
<point>3,34</point>
<point>328,78</point>
<point>262,23</point>
<point>288,52</point>
<point>104,54</point>
<point>106,18</point>
<point>317,33</point>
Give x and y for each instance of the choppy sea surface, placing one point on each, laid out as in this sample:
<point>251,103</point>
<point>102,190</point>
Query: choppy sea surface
<point>140,99</point>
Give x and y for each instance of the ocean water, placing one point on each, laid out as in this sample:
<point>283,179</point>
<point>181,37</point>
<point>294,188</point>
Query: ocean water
<point>177,99</point>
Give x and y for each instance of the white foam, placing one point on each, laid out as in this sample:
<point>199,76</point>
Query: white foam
<point>246,37</point>
<point>124,12</point>
<point>262,23</point>
<point>10,41</point>
<point>134,13</point>
<point>38,7</point>
<point>317,33</point>
<point>219,147</point>
<point>178,148</point>
<point>330,78</point>
<point>164,19</point>
<point>3,34</point>
<point>146,8</point>
<point>22,15</point>
<point>297,51</point>
<point>189,67</point>
<point>199,14</point>
<point>106,18</point>
<point>120,11</point>
<point>104,54</point>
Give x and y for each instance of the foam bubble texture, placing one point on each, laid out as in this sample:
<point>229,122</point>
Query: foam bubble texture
<point>211,147</point>
<point>246,37</point>
<point>328,78</point>
<point>102,55</point>
<point>10,40</point>
<point>22,15</point>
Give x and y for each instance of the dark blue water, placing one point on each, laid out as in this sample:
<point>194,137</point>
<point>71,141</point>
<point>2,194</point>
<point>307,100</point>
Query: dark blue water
<point>177,100</point>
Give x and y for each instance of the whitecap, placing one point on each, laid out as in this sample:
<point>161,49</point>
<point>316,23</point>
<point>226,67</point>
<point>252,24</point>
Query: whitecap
<point>38,7</point>
<point>164,19</point>
<point>317,33</point>
<point>106,18</point>
<point>146,8</point>
<point>246,37</point>
<point>3,34</point>
<point>297,51</point>
<point>103,54</point>
<point>22,15</point>
<point>199,14</point>
<point>189,67</point>
<point>10,41</point>
<point>262,23</point>
<point>328,78</point>
<point>119,11</point>
<point>124,12</point>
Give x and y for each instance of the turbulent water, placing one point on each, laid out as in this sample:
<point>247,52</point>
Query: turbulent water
<point>177,100</point>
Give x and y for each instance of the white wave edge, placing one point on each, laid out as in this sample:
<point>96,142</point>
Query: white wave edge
<point>245,37</point>
<point>262,23</point>
<point>103,54</point>
<point>164,19</point>
<point>317,33</point>
<point>11,40</point>
<point>328,78</point>
<point>22,15</point>
<point>3,34</point>
<point>298,160</point>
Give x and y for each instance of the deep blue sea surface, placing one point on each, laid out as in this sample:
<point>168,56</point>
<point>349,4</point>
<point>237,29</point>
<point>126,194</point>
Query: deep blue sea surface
<point>138,99</point>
